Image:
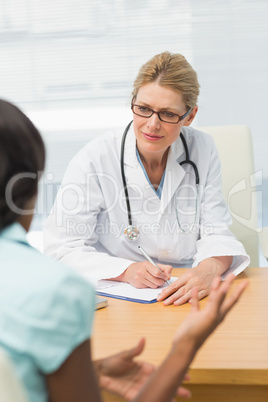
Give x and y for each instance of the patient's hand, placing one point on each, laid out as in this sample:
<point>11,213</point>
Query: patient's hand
<point>124,376</point>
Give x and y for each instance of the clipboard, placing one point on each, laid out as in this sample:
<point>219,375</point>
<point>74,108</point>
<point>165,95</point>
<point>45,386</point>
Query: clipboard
<point>127,298</point>
<point>125,291</point>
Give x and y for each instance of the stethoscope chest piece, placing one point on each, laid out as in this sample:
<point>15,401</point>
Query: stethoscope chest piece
<point>132,233</point>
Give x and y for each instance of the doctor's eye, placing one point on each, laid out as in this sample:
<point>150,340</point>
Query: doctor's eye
<point>144,109</point>
<point>169,115</point>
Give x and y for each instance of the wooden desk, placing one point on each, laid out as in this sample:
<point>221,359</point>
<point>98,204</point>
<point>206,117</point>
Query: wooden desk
<point>232,366</point>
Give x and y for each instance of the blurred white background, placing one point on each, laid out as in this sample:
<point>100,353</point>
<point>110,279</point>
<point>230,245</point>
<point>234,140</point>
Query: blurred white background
<point>70,64</point>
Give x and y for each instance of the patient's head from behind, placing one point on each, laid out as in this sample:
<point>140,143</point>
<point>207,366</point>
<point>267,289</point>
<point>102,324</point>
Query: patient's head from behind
<point>22,159</point>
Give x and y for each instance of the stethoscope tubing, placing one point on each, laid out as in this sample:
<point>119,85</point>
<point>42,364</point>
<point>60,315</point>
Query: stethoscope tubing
<point>188,160</point>
<point>122,154</point>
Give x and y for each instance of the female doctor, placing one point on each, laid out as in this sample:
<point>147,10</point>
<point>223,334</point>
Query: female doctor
<point>157,185</point>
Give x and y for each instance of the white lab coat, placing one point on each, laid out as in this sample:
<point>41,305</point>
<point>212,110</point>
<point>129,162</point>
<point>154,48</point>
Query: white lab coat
<point>86,226</point>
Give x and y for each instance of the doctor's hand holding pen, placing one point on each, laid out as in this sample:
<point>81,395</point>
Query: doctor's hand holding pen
<point>146,275</point>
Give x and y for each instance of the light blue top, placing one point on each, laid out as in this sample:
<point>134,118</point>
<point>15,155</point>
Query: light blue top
<point>46,310</point>
<point>160,187</point>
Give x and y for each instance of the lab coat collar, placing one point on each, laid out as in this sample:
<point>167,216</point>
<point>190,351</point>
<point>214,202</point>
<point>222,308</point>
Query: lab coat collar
<point>174,173</point>
<point>14,232</point>
<point>135,175</point>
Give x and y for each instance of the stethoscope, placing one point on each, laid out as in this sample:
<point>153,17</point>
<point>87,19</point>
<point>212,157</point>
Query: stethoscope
<point>132,232</point>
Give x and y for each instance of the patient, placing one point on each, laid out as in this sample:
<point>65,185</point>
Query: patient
<point>47,309</point>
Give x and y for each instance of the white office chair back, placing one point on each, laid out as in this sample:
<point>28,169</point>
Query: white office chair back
<point>11,390</point>
<point>238,183</point>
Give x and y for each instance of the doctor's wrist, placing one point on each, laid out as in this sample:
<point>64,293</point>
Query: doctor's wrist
<point>120,278</point>
<point>217,265</point>
<point>128,273</point>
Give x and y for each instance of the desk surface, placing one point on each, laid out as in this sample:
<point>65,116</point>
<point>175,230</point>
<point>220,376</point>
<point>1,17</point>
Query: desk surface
<point>236,353</point>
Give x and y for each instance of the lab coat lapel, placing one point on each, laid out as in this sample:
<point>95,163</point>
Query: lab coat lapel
<point>174,174</point>
<point>135,176</point>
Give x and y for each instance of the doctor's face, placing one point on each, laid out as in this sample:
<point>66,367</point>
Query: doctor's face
<point>154,136</point>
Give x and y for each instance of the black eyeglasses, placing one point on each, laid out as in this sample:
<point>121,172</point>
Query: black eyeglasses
<point>165,116</point>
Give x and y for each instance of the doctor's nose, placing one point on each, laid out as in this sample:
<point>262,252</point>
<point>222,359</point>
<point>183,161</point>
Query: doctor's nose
<point>154,122</point>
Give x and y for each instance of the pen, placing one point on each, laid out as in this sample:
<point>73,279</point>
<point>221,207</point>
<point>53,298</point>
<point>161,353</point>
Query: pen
<point>149,259</point>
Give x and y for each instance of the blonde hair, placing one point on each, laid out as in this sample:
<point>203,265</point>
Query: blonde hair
<point>172,71</point>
